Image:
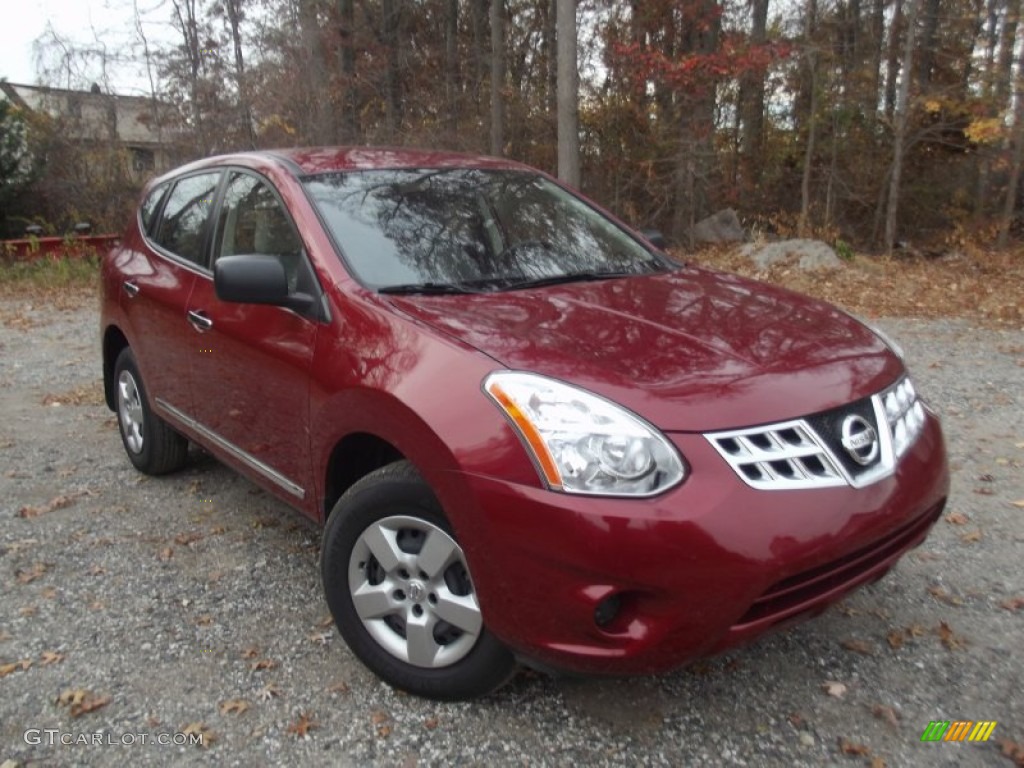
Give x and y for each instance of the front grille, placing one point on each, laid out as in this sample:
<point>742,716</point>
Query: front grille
<point>855,444</point>
<point>793,594</point>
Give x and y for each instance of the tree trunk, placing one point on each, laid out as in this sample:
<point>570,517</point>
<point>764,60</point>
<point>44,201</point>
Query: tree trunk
<point>892,65</point>
<point>803,225</point>
<point>451,68</point>
<point>233,9</point>
<point>1010,202</point>
<point>349,124</point>
<point>752,99</point>
<point>391,11</point>
<point>1004,64</point>
<point>551,57</point>
<point>321,128</point>
<point>497,78</point>
<point>900,128</point>
<point>928,44</point>
<point>568,96</point>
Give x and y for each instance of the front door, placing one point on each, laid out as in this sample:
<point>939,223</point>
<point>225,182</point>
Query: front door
<point>251,363</point>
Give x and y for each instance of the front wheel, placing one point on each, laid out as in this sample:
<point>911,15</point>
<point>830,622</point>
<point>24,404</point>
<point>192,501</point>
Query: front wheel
<point>400,591</point>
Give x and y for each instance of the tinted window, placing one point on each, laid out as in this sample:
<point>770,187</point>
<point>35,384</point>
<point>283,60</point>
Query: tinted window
<point>253,220</point>
<point>183,224</point>
<point>461,226</point>
<point>150,206</point>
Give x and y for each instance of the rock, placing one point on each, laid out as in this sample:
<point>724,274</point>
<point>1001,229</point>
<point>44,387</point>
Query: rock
<point>808,254</point>
<point>721,227</point>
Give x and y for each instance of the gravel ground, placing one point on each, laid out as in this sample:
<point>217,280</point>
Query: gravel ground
<point>193,603</point>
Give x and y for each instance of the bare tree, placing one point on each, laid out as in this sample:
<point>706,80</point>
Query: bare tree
<point>497,77</point>
<point>568,95</point>
<point>900,128</point>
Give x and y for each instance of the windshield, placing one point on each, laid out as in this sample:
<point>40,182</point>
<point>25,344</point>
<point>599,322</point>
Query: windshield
<point>470,229</point>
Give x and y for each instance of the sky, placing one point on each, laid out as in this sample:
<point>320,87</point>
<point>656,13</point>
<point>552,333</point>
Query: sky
<point>111,22</point>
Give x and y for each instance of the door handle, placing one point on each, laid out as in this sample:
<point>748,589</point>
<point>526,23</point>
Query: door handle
<point>199,320</point>
<point>130,288</point>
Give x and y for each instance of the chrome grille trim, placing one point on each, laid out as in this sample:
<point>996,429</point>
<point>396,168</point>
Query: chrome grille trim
<point>794,455</point>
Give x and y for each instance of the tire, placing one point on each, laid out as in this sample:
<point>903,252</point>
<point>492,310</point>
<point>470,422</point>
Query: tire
<point>152,446</point>
<point>388,548</point>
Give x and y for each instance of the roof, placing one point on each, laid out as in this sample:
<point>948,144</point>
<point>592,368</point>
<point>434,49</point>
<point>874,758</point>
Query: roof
<point>324,159</point>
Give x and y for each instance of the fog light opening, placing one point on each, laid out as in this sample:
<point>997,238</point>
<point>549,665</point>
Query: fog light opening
<point>607,610</point>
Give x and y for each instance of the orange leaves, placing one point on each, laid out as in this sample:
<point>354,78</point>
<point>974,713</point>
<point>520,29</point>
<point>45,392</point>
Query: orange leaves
<point>81,701</point>
<point>206,736</point>
<point>6,669</point>
<point>301,727</point>
<point>949,638</point>
<point>30,574</point>
<point>234,707</point>
<point>859,646</point>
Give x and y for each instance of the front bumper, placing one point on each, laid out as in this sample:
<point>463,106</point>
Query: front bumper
<point>703,567</point>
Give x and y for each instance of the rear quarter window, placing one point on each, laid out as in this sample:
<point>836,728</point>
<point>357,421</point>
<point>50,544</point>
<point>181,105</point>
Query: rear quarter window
<point>150,206</point>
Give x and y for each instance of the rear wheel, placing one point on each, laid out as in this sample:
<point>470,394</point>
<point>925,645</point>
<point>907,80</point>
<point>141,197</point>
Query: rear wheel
<point>399,588</point>
<point>152,446</point>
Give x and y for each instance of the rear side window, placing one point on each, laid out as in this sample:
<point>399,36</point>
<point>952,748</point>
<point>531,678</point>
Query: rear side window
<point>150,206</point>
<point>182,229</point>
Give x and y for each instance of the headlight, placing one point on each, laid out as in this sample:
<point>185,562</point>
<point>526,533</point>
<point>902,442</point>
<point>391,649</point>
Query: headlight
<point>583,443</point>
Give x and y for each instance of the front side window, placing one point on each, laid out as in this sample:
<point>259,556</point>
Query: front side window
<point>253,221</point>
<point>182,229</point>
<point>149,207</point>
<point>471,228</point>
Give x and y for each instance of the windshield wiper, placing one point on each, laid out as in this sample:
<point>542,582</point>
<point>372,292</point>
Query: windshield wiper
<point>426,288</point>
<point>571,277</point>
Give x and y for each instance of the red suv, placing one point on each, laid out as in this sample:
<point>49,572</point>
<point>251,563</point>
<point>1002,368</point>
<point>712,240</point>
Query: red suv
<point>530,435</point>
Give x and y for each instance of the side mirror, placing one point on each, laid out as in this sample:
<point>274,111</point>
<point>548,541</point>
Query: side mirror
<point>257,279</point>
<point>655,238</point>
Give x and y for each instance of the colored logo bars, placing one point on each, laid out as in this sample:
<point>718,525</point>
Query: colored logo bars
<point>958,730</point>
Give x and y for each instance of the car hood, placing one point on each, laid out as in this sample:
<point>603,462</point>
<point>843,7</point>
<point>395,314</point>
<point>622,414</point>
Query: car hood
<point>689,350</point>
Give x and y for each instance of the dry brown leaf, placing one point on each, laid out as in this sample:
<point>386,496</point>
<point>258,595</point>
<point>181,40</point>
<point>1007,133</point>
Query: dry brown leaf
<point>949,638</point>
<point>383,731</point>
<point>939,593</point>
<point>57,502</point>
<point>96,570</point>
<point>796,719</point>
<point>30,574</point>
<point>320,637</point>
<point>266,522</point>
<point>876,762</point>
<point>28,610</point>
<point>326,621</point>
<point>269,691</point>
<point>849,748</point>
<point>49,593</point>
<point>301,727</point>
<point>957,518</point>
<point>206,736</point>
<point>251,652</point>
<point>431,723</point>
<point>234,707</point>
<point>972,537</point>
<point>378,716</point>
<point>50,657</point>
<point>184,539</point>
<point>984,491</point>
<point>81,701</point>
<point>859,646</point>
<point>261,664</point>
<point>339,687</point>
<point>1019,503</point>
<point>205,620</point>
<point>166,554</point>
<point>833,688</point>
<point>888,714</point>
<point>1012,750</point>
<point>1013,604</point>
<point>6,669</point>
<point>895,638</point>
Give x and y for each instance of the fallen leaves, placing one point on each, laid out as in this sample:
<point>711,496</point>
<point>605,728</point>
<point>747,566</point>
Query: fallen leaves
<point>6,669</point>
<point>939,593</point>
<point>834,688</point>
<point>81,701</point>
<point>301,727</point>
<point>972,537</point>
<point>859,646</point>
<point>50,657</point>
<point>166,554</point>
<point>949,638</point>
<point>57,502</point>
<point>269,691</point>
<point>30,574</point>
<point>340,687</point>
<point>1018,503</point>
<point>262,664</point>
<point>83,394</point>
<point>1013,605</point>
<point>382,721</point>
<point>888,714</point>
<point>234,707</point>
<point>1012,750</point>
<point>850,748</point>
<point>206,736</point>
<point>957,518</point>
<point>320,638</point>
<point>190,537</point>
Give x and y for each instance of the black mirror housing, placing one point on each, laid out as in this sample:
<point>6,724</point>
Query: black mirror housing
<point>250,279</point>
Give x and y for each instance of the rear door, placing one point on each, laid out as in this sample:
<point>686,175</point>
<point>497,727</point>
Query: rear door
<point>250,363</point>
<point>157,279</point>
